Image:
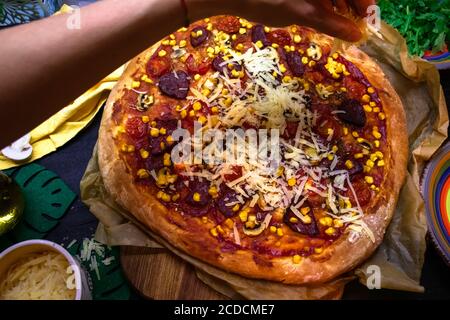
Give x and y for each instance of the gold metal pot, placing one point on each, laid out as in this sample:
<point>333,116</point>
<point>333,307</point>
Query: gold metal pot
<point>12,203</point>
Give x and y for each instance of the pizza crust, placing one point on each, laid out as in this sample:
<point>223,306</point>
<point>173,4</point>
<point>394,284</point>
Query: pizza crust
<point>338,258</point>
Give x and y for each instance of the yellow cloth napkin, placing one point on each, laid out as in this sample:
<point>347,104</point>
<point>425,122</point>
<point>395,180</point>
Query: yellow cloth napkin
<point>64,125</point>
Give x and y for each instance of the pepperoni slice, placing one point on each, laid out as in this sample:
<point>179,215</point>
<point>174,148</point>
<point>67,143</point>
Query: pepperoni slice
<point>198,36</point>
<point>196,68</point>
<point>353,113</point>
<point>229,24</point>
<point>174,84</point>
<point>136,128</point>
<point>157,66</point>
<point>258,34</point>
<point>227,195</point>
<point>280,37</point>
<point>309,229</point>
<point>201,188</point>
<point>294,61</point>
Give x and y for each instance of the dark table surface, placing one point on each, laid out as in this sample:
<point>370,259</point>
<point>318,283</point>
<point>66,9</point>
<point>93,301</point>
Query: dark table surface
<point>70,161</point>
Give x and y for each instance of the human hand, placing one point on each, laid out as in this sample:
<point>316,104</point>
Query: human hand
<point>323,15</point>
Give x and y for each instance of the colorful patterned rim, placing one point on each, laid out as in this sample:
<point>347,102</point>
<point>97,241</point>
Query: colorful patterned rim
<point>441,59</point>
<point>436,192</point>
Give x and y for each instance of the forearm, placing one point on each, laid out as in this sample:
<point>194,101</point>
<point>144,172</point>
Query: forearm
<point>45,65</point>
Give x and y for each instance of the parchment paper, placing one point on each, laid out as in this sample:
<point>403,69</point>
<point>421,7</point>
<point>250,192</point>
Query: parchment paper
<point>399,257</point>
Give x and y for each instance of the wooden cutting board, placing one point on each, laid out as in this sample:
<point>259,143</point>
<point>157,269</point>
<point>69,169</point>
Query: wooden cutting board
<point>156,273</point>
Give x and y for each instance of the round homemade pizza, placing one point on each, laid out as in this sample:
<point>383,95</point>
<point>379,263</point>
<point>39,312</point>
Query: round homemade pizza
<point>258,150</point>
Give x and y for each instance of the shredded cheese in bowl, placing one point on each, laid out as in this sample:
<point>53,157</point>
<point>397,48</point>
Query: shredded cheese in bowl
<point>37,276</point>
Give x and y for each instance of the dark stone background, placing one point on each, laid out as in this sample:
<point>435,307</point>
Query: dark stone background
<point>70,161</point>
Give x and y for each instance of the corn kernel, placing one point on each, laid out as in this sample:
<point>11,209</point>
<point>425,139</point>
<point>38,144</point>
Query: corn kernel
<point>370,90</point>
<point>279,232</point>
<point>380,163</point>
<point>154,132</point>
<point>162,53</point>
<point>377,143</point>
<point>330,231</point>
<point>376,134</point>
<point>202,119</point>
<point>214,232</point>
<point>345,131</point>
<point>236,208</point>
<point>259,44</point>
<point>355,134</point>
<point>196,197</point>
<point>166,197</point>
<point>330,157</point>
<point>334,148</point>
<point>307,219</point>
<point>135,84</point>
<point>197,106</point>
<point>183,113</point>
<point>275,45</point>
<point>282,68</point>
<point>293,220</point>
<point>291,182</point>
<point>243,215</point>
<point>349,164</point>
<point>145,78</point>
<point>191,113</point>
<point>166,159</point>
<point>368,179</point>
<point>305,210</point>
<point>143,174</point>
<point>376,109</point>
<point>365,98</point>
<point>229,223</point>
<point>273,229</point>
<point>175,197</point>
<point>335,55</point>
<point>162,131</point>
<point>296,259</point>
<point>381,116</point>
<point>338,223</point>
<point>266,29</point>
<point>326,221</point>
<point>318,250</point>
<point>183,43</point>
<point>367,108</point>
<point>144,153</point>
<point>370,163</point>
<point>358,155</point>
<point>297,38</point>
<point>242,31</point>
<point>145,119</point>
<point>305,60</point>
<point>206,92</point>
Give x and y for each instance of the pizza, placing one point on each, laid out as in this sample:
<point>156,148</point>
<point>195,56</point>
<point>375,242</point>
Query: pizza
<point>305,212</point>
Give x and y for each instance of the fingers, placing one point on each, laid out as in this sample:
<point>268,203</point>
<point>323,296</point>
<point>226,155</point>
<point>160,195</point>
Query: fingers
<point>360,6</point>
<point>342,6</point>
<point>334,25</point>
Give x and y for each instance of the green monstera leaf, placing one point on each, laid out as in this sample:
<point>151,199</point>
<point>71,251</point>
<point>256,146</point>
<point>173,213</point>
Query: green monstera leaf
<point>47,198</point>
<point>107,278</point>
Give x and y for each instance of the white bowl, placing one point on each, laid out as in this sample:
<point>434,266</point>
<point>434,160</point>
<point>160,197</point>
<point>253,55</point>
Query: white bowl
<point>19,250</point>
